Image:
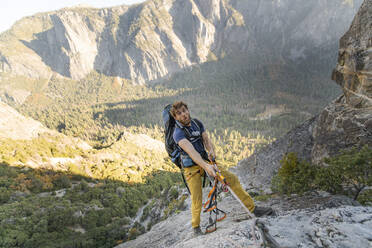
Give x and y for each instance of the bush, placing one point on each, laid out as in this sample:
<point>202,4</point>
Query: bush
<point>4,195</point>
<point>59,218</point>
<point>294,176</point>
<point>63,181</point>
<point>365,197</point>
<point>173,193</point>
<point>348,173</point>
<point>90,219</point>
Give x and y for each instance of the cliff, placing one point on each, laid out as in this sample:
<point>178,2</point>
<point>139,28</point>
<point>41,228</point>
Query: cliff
<point>344,123</point>
<point>148,41</point>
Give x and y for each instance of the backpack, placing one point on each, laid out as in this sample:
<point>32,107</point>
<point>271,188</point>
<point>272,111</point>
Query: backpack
<point>170,145</point>
<point>173,150</point>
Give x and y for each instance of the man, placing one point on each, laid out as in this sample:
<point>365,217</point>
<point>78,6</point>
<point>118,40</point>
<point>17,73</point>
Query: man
<point>194,155</point>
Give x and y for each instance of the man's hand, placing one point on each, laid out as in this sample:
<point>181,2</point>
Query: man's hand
<point>210,170</point>
<point>195,156</point>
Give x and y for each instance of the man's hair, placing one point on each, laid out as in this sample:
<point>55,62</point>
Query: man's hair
<point>175,106</point>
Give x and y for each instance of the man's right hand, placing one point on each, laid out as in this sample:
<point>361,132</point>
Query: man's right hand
<point>210,170</point>
<point>195,156</point>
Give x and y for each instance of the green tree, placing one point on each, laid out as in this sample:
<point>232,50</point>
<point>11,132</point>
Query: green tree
<point>4,195</point>
<point>294,176</point>
<point>350,172</point>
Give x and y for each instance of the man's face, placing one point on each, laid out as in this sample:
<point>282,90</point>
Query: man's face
<point>183,116</point>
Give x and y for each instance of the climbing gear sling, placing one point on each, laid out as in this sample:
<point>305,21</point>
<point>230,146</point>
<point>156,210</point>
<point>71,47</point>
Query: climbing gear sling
<point>211,204</point>
<point>211,207</point>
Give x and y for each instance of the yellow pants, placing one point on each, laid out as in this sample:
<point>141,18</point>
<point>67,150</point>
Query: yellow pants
<point>194,176</point>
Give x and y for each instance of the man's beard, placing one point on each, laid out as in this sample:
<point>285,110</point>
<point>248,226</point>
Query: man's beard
<point>186,122</point>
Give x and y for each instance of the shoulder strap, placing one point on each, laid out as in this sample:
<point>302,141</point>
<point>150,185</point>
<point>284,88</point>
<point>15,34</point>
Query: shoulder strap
<point>185,130</point>
<point>197,123</point>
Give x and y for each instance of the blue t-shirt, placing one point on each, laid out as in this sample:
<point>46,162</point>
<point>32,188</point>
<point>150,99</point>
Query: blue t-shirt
<point>196,139</point>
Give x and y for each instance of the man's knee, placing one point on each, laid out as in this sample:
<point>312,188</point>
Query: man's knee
<point>230,177</point>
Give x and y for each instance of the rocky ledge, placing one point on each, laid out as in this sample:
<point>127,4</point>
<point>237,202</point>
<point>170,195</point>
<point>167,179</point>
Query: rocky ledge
<point>313,220</point>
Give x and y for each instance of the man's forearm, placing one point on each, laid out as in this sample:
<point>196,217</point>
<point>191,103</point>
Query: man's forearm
<point>208,145</point>
<point>195,156</point>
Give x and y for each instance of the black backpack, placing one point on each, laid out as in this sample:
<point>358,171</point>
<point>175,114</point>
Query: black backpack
<point>173,150</point>
<point>170,145</point>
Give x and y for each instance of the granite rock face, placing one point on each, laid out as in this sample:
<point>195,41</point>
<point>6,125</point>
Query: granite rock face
<point>148,41</point>
<point>348,120</point>
<point>353,70</point>
<point>344,123</point>
<point>256,171</point>
<point>313,220</point>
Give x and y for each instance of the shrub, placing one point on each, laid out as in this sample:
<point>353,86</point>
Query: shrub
<point>133,233</point>
<point>4,195</point>
<point>90,219</point>
<point>59,218</point>
<point>173,193</point>
<point>294,176</point>
<point>348,173</point>
<point>63,181</point>
<point>365,197</point>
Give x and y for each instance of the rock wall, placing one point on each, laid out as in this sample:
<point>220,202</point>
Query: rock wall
<point>309,221</point>
<point>348,121</point>
<point>147,41</point>
<point>344,123</point>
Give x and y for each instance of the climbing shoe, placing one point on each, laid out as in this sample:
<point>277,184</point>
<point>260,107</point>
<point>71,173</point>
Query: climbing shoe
<point>197,231</point>
<point>261,211</point>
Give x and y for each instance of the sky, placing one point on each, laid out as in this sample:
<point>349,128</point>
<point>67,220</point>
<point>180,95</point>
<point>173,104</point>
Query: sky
<point>13,10</point>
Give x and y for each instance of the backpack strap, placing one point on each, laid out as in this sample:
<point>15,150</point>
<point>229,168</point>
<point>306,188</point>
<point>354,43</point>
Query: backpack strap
<point>187,132</point>
<point>184,179</point>
<point>197,123</point>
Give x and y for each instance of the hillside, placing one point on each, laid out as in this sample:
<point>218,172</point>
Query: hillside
<point>249,60</point>
<point>63,187</point>
<point>15,126</point>
<point>148,41</point>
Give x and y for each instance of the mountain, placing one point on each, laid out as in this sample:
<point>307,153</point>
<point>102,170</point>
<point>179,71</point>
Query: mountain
<point>251,66</point>
<point>148,41</point>
<point>343,124</point>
